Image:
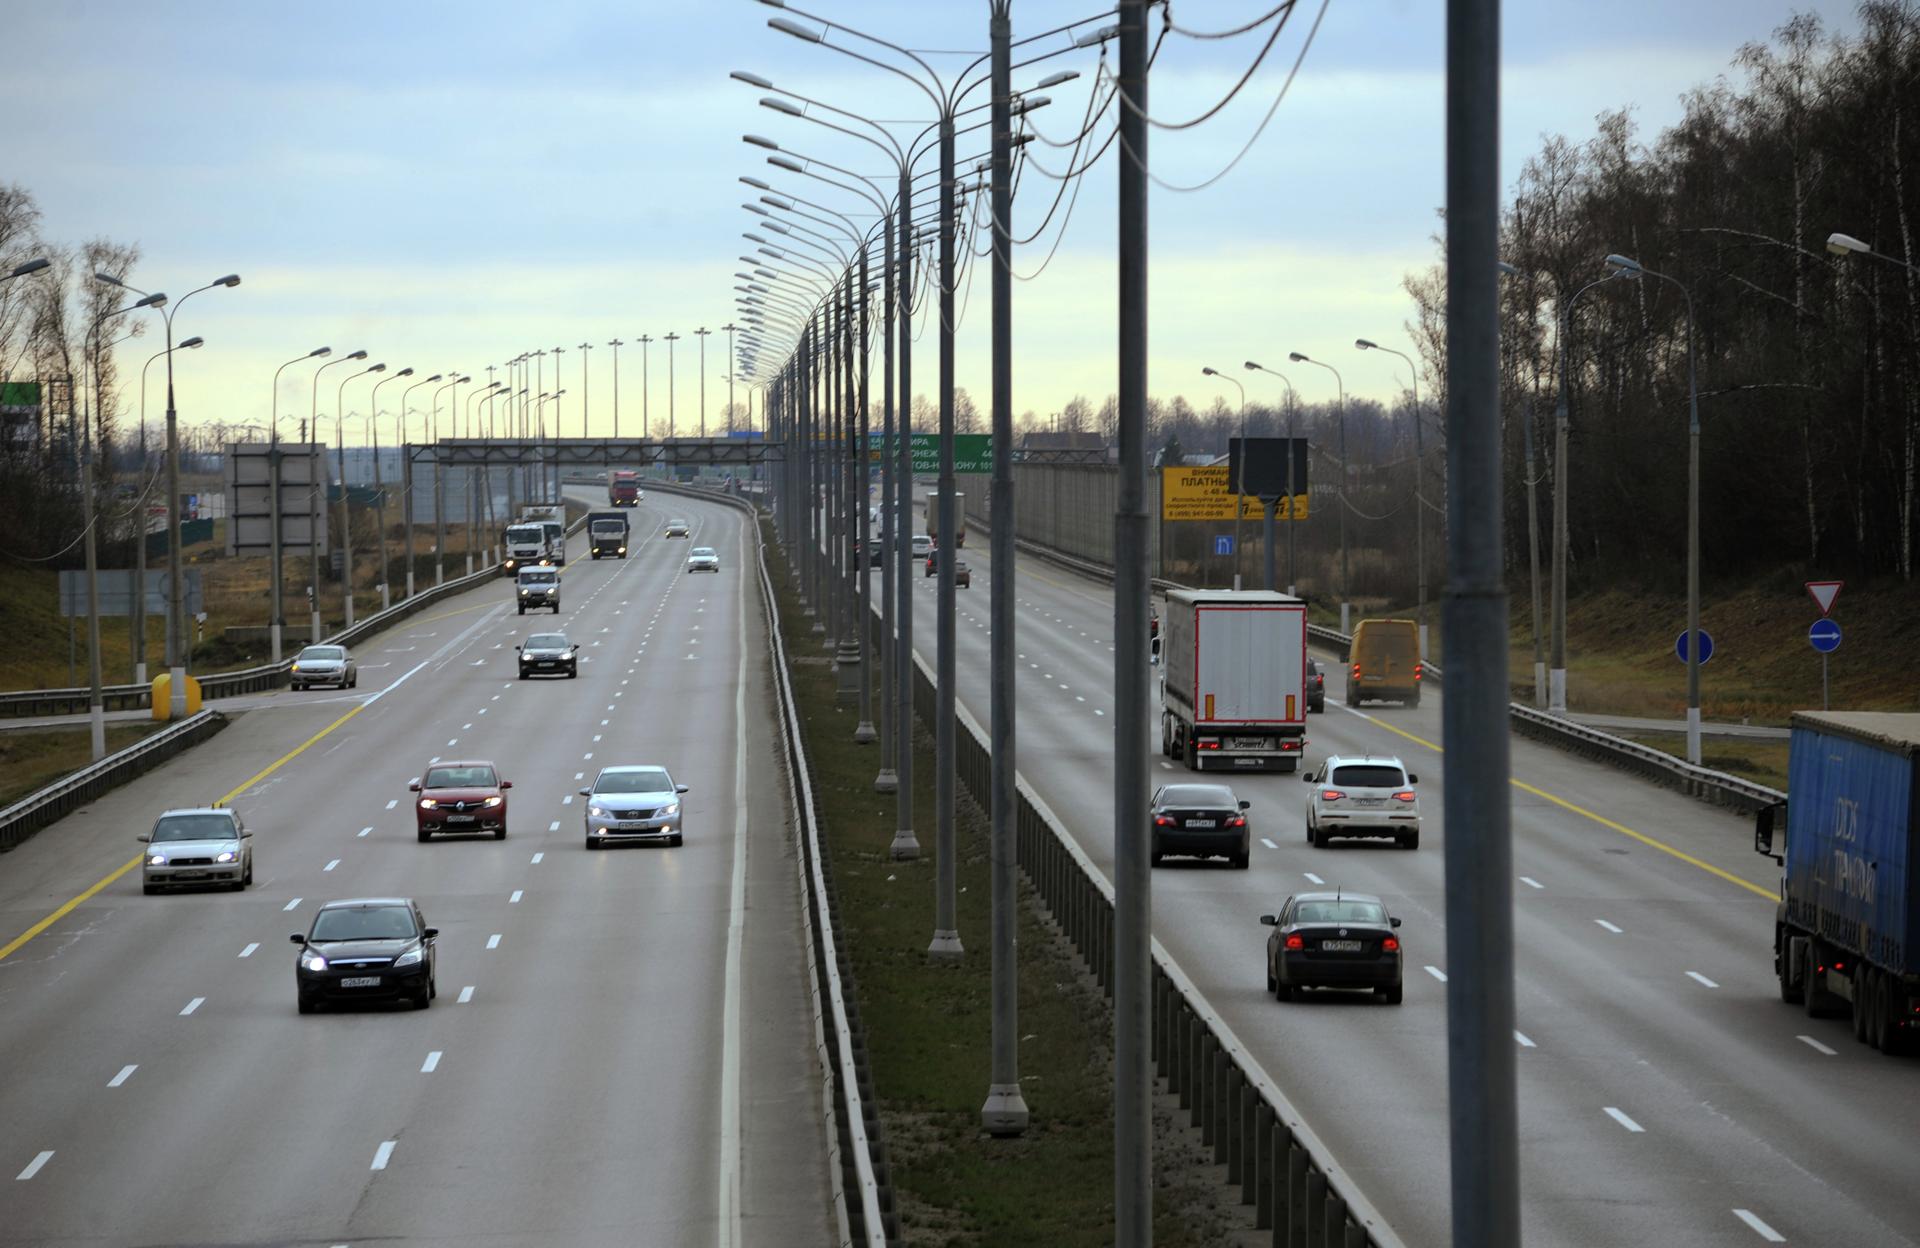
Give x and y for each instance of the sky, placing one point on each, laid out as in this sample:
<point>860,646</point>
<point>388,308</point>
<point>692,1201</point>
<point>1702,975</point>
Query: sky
<point>447,186</point>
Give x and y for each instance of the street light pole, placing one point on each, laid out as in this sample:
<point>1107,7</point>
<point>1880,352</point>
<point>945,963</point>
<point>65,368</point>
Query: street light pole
<point>318,487</point>
<point>1293,485</point>
<point>379,485</point>
<point>646,427</point>
<point>586,390</point>
<point>1419,497</point>
<point>139,604</point>
<point>1239,479</point>
<point>616,344</point>
<point>701,334</point>
<point>406,473</point>
<point>670,339</point>
<point>1340,382</point>
<point>277,623</point>
<point>733,367</point>
<point>1557,669</point>
<point>346,507</point>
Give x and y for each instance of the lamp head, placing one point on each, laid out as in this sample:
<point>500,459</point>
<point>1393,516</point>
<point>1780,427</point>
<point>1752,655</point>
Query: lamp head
<point>1841,244</point>
<point>1209,372</point>
<point>755,208</point>
<point>1054,80</point>
<point>787,163</point>
<point>405,372</point>
<point>1094,37</point>
<point>109,279</point>
<point>781,106</point>
<point>760,140</point>
<point>191,343</point>
<point>1365,344</point>
<point>1624,265</point>
<point>152,301</point>
<point>1254,368</point>
<point>752,80</point>
<point>435,377</point>
<point>778,201</point>
<point>231,279</point>
<point>358,355</point>
<point>755,183</point>
<point>378,368</point>
<point>31,266</point>
<point>1506,269</point>
<point>787,27</point>
<point>319,353</point>
<point>1297,358</point>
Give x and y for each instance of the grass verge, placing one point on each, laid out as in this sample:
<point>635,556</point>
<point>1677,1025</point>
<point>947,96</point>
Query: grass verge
<point>32,760</point>
<point>1761,761</point>
<point>928,1027</point>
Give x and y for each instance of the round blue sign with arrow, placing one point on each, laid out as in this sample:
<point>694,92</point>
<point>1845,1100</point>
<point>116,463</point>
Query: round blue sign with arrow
<point>1706,645</point>
<point>1824,636</point>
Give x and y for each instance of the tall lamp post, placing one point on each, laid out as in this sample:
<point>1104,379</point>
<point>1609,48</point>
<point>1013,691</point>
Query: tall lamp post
<point>319,486</point>
<point>670,339</point>
<point>1843,244</point>
<point>1293,486</point>
<point>440,478</point>
<point>139,604</point>
<point>1633,268</point>
<point>1419,487</point>
<point>646,427</point>
<point>733,366</point>
<point>586,389</point>
<point>346,505</point>
<point>1239,476</point>
<point>406,473</point>
<point>277,623</point>
<point>701,334</point>
<point>379,486</point>
<point>1340,382</point>
<point>616,344</point>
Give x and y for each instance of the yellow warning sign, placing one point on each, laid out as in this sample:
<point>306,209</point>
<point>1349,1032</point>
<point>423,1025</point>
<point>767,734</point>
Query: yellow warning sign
<point>1190,493</point>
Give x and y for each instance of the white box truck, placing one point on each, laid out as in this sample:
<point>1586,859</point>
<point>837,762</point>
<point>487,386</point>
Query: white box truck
<point>1233,684</point>
<point>959,518</point>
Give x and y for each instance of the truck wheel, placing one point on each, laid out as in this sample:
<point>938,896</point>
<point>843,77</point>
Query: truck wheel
<point>1812,998</point>
<point>1783,965</point>
<point>1166,735</point>
<point>1413,703</point>
<point>523,610</point>
<point>1863,986</point>
<point>1350,699</point>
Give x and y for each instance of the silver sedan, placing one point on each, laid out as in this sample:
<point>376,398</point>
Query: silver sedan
<point>324,665</point>
<point>203,845</point>
<point>632,804</point>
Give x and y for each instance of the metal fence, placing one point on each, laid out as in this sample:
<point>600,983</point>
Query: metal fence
<point>44,806</point>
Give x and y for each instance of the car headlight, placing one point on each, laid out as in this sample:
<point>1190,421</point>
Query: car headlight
<point>313,962</point>
<point>156,860</point>
<point>427,803</point>
<point>296,667</point>
<point>227,855</point>
<point>494,800</point>
<point>523,592</point>
<point>623,550</point>
<point>410,958</point>
<point>596,812</point>
<point>669,810</point>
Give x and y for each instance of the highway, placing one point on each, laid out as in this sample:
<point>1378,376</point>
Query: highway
<point>1666,1095</point>
<point>622,1049</point>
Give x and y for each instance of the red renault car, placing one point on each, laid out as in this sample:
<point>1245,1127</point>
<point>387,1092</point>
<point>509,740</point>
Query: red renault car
<point>461,797</point>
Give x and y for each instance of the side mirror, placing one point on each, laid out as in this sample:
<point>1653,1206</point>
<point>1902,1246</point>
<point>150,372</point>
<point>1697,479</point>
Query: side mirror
<point>1395,922</point>
<point>1307,778</point>
<point>576,647</point>
<point>430,933</point>
<point>1270,920</point>
<point>1412,779</point>
<point>1769,819</point>
<point>586,792</point>
<point>245,832</point>
<point>143,836</point>
<point>506,784</point>
<point>297,939</point>
<point>413,786</point>
<point>1246,805</point>
<point>516,645</point>
<point>679,788</point>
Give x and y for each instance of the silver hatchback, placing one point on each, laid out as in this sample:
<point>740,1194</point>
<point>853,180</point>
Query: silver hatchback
<point>206,845</point>
<point>324,665</point>
<point>632,804</point>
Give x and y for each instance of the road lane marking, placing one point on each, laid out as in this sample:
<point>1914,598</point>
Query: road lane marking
<point>1524,1041</point>
<point>538,857</point>
<point>1610,927</point>
<point>1269,844</point>
<point>392,803</point>
<point>1316,879</point>
<point>1530,882</point>
<point>1759,1228</point>
<point>513,900</point>
<point>433,1060</point>
<point>126,1073</point>
<point>1437,973</point>
<point>248,951</point>
<point>330,866</point>
<point>552,827</point>
<point>290,905</point>
<point>466,995</point>
<point>728,1192</point>
<point>1701,979</point>
<point>381,1155</point>
<point>1815,1045</point>
<point>579,775</point>
<point>567,800</point>
<point>1623,1120</point>
<point>33,1167</point>
<point>493,941</point>
<point>596,736</point>
<point>192,1005</point>
<point>454,742</point>
<point>366,831</point>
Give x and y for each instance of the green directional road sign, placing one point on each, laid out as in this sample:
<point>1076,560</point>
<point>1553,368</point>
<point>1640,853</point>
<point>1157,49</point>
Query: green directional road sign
<point>972,452</point>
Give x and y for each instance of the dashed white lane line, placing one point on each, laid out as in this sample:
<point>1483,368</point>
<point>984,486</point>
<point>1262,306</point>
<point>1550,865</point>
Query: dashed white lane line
<point>248,951</point>
<point>603,724</point>
<point>193,1005</point>
<point>552,827</point>
<point>1702,980</point>
<point>366,831</point>
<point>567,800</point>
<point>1759,1228</point>
<point>1624,1121</point>
<point>1097,711</point>
<point>514,900</point>
<point>382,1153</point>
<point>33,1167</point>
<point>466,995</point>
<point>538,857</point>
<point>126,1073</point>
<point>290,905</point>
<point>393,803</point>
<point>1530,882</point>
<point>1610,927</point>
<point>596,736</point>
<point>1269,844</point>
<point>433,1060</point>
<point>1311,876</point>
<point>1524,1041</point>
<point>455,741</point>
<point>1166,764</point>
<point>330,866</point>
<point>1437,973</point>
<point>493,941</point>
<point>579,775</point>
<point>588,756</point>
<point>1815,1045</point>
<point>466,727</point>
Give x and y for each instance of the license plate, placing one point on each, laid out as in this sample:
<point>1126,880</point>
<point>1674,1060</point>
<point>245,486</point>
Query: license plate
<point>461,818</point>
<point>1373,678</point>
<point>1370,801</point>
<point>1340,946</point>
<point>360,981</point>
<point>1199,823</point>
<point>1249,743</point>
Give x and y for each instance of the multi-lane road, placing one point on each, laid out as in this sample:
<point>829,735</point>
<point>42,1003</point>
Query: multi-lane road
<point>622,1048</point>
<point>1667,1096</point>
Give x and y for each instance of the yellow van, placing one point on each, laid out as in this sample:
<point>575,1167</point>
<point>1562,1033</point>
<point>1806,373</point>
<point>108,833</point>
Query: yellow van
<point>1383,663</point>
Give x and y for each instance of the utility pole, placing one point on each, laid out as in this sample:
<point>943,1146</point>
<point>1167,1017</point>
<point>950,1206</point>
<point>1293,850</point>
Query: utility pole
<point>586,393</point>
<point>646,427</point>
<point>701,334</point>
<point>905,844</point>
<point>670,339</point>
<point>733,367</point>
<point>946,946</point>
<point>616,344</point>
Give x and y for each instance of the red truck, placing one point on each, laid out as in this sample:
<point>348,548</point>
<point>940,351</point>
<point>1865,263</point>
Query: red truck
<point>623,489</point>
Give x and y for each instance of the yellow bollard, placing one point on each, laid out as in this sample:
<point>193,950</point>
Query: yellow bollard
<point>163,696</point>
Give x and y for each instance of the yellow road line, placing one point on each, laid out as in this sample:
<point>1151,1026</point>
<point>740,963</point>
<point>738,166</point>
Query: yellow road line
<point>17,942</point>
<point>1602,820</point>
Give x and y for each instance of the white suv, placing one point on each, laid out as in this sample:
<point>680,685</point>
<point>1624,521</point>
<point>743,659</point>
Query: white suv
<point>1363,796</point>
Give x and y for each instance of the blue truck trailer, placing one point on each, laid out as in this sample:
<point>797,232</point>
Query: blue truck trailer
<point>1846,933</point>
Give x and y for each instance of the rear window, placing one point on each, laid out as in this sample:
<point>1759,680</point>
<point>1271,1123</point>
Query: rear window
<point>458,778</point>
<point>1197,795</point>
<point>194,828</point>
<point>1340,910</point>
<point>609,526</point>
<point>1368,776</point>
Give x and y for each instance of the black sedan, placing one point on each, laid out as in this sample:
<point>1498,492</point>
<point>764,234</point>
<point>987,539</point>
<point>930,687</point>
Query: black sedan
<point>549,654</point>
<point>1316,687</point>
<point>366,949</point>
<point>1201,820</point>
<point>1333,940</point>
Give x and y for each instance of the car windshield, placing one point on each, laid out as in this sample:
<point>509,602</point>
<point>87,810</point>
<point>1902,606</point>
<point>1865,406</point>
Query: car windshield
<point>194,828</point>
<point>1340,910</point>
<point>676,524</point>
<point>1368,776</point>
<point>529,534</point>
<point>364,923</point>
<point>323,654</point>
<point>539,576</point>
<point>609,526</point>
<point>547,641</point>
<point>703,552</point>
<point>634,780</point>
<point>1198,795</point>
<point>475,777</point>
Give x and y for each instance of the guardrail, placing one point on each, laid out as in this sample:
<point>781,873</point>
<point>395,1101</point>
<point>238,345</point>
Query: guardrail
<point>34,702</point>
<point>44,806</point>
<point>857,1157</point>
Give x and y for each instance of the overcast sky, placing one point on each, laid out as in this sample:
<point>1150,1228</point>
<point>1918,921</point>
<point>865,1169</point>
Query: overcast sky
<point>449,185</point>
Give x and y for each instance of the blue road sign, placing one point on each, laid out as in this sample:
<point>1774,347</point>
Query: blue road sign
<point>1706,646</point>
<point>1223,544</point>
<point>1824,636</point>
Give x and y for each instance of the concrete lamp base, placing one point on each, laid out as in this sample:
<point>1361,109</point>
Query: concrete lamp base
<point>905,847</point>
<point>1005,1113</point>
<point>888,781</point>
<point>946,947</point>
<point>864,733</point>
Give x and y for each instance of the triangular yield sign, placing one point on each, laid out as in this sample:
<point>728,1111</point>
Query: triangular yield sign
<point>1824,592</point>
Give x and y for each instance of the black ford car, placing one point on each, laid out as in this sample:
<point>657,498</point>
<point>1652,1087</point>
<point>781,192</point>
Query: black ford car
<point>1333,940</point>
<point>366,949</point>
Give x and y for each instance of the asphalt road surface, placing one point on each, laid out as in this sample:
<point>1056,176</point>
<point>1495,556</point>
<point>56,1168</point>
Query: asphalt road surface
<point>622,1048</point>
<point>1666,1095</point>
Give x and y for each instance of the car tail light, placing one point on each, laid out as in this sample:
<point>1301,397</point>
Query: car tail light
<point>1290,745</point>
<point>1161,821</point>
<point>1331,795</point>
<point>1407,796</point>
<point>1238,821</point>
<point>1391,944</point>
<point>1207,745</point>
<point>1419,670</point>
<point>1356,671</point>
<point>1295,942</point>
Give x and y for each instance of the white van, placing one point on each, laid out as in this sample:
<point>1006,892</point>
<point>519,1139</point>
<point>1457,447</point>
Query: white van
<point>537,587</point>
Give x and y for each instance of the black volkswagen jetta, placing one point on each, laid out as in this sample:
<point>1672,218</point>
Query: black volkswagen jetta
<point>366,949</point>
<point>1333,940</point>
<point>1204,820</point>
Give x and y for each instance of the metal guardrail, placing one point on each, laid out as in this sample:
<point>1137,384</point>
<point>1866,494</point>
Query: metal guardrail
<point>47,805</point>
<point>26,703</point>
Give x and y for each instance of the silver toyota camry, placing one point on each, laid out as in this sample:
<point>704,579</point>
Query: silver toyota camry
<point>207,845</point>
<point>633,804</point>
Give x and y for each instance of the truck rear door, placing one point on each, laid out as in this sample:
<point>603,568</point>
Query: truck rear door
<point>1250,664</point>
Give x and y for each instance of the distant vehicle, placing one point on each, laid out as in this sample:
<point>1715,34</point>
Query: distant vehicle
<point>933,561</point>
<point>1846,931</point>
<point>1383,662</point>
<point>1363,797</point>
<point>920,545</point>
<point>549,654</point>
<point>607,534</point>
<point>1233,689</point>
<point>366,949</point>
<point>623,488</point>
<point>633,804</point>
<point>323,665</point>
<point>679,528</point>
<point>202,845</point>
<point>1200,820</point>
<point>529,544</point>
<point>460,797</point>
<point>1333,940</point>
<point>962,575</point>
<point>1316,687</point>
<point>536,588</point>
<point>703,559</point>
<point>959,518</point>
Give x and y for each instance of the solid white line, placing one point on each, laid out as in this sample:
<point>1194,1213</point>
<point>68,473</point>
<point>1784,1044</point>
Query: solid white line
<point>433,1059</point>
<point>1815,1045</point>
<point>192,1006</point>
<point>537,857</point>
<point>1530,882</point>
<point>1701,979</point>
<point>515,898</point>
<point>33,1167</point>
<point>330,866</point>
<point>728,1194</point>
<point>1610,927</point>
<point>466,995</point>
<point>1316,879</point>
<point>248,951</point>
<point>290,905</point>
<point>493,941</point>
<point>391,804</point>
<point>1437,973</point>
<point>381,1154</point>
<point>365,831</point>
<point>396,684</point>
<point>1269,844</point>
<point>1623,1120</point>
<point>1525,1042</point>
<point>126,1072</point>
<point>1760,1228</point>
